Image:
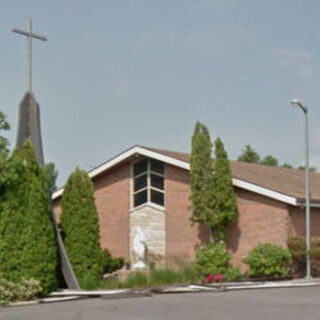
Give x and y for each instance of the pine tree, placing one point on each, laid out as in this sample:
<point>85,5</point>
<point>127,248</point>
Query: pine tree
<point>79,222</point>
<point>249,155</point>
<point>27,241</point>
<point>202,193</point>
<point>224,205</point>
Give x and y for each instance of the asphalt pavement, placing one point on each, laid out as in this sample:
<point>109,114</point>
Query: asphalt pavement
<point>261,304</point>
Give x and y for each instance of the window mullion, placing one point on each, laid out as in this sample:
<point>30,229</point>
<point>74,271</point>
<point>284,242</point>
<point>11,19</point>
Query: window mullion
<point>149,180</point>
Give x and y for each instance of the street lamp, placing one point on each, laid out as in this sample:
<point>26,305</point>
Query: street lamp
<point>297,103</point>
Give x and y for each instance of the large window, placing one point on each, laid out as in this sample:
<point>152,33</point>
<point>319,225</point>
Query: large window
<point>148,182</point>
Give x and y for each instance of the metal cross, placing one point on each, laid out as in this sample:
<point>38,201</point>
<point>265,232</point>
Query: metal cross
<point>29,34</point>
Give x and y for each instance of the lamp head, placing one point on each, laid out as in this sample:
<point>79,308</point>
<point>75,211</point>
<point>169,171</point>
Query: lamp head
<point>295,102</point>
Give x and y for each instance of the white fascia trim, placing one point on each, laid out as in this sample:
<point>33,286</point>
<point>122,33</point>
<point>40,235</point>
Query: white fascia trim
<point>122,156</point>
<point>143,152</point>
<point>183,165</point>
<point>265,192</point>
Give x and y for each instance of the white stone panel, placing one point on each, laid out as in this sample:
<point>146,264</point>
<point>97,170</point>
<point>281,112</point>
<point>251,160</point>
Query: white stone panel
<point>151,222</point>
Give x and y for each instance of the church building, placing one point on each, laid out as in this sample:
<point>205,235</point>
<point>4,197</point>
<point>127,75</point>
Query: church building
<point>143,197</point>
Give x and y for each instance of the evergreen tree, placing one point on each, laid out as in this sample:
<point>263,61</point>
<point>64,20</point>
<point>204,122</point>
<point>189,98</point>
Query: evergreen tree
<point>79,222</point>
<point>225,204</point>
<point>4,151</point>
<point>202,194</point>
<point>51,175</point>
<point>249,155</point>
<point>27,241</point>
<point>270,161</point>
<point>4,126</point>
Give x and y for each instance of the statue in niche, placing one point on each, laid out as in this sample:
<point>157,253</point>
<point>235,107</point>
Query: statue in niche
<point>139,248</point>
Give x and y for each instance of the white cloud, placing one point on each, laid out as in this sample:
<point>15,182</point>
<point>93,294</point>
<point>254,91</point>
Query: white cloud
<point>300,61</point>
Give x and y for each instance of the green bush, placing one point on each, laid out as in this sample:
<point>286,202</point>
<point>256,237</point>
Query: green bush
<point>110,263</point>
<point>214,258</point>
<point>232,274</point>
<point>268,260</point>
<point>297,247</point>
<point>315,258</point>
<point>27,289</point>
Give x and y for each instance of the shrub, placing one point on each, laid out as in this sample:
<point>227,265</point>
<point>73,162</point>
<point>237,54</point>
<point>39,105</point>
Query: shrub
<point>213,258</point>
<point>110,263</point>
<point>268,260</point>
<point>297,247</point>
<point>27,289</point>
<point>315,258</point>
<point>232,274</point>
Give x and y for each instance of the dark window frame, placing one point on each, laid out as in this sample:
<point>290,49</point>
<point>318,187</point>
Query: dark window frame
<point>152,190</point>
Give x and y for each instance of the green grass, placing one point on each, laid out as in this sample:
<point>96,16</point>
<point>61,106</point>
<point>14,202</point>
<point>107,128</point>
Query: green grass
<point>157,277</point>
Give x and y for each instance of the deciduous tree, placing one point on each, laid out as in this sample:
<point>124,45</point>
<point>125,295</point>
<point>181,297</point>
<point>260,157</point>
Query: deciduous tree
<point>249,155</point>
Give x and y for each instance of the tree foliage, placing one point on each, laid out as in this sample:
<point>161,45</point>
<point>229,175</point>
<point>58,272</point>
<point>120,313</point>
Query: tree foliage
<point>287,165</point>
<point>212,195</point>
<point>4,151</point>
<point>270,161</point>
<point>27,242</point>
<point>79,222</point>
<point>225,202</point>
<point>51,176</point>
<point>249,155</point>
<point>4,126</point>
<point>201,169</point>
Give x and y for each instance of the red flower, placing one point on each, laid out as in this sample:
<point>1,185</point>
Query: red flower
<point>219,277</point>
<point>210,278</point>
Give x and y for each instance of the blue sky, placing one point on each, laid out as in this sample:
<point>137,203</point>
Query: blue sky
<point>115,73</point>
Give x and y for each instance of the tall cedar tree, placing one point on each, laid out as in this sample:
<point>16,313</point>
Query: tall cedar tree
<point>4,151</point>
<point>27,240</point>
<point>225,204</point>
<point>202,193</point>
<point>79,222</point>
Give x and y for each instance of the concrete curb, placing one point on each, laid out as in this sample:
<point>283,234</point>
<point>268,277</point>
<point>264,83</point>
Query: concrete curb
<point>70,295</point>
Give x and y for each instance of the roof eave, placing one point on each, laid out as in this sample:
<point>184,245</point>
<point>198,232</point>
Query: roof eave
<point>183,165</point>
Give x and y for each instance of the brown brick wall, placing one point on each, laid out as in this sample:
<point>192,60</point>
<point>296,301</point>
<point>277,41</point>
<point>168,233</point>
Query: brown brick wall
<point>112,200</point>
<point>182,236</point>
<point>297,222</point>
<point>260,220</point>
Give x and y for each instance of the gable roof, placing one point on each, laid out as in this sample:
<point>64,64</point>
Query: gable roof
<point>282,184</point>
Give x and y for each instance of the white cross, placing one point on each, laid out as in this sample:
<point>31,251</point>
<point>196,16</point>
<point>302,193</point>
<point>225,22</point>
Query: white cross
<point>29,36</point>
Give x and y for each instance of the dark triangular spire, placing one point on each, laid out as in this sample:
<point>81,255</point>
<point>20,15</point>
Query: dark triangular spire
<point>29,125</point>
<point>29,128</point>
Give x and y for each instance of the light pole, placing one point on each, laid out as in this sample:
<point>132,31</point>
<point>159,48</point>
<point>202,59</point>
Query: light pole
<point>297,103</point>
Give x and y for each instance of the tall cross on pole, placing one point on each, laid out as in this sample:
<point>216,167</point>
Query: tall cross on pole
<point>29,34</point>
